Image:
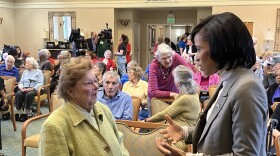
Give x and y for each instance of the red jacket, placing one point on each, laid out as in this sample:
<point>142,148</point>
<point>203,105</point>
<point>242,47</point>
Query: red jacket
<point>110,63</point>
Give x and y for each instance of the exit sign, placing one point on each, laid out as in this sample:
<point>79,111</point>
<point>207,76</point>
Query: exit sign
<point>170,18</point>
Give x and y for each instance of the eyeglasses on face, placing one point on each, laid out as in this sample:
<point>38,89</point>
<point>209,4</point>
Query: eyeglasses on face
<point>89,84</point>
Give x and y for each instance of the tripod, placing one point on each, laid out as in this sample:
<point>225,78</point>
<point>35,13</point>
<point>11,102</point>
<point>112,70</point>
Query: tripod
<point>273,124</point>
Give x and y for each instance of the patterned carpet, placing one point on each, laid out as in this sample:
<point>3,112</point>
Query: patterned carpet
<point>11,140</point>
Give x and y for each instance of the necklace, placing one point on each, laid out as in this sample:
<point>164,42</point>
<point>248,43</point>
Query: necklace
<point>164,74</point>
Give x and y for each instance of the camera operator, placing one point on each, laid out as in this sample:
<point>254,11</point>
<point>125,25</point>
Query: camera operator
<point>103,42</point>
<point>121,53</point>
<point>78,42</point>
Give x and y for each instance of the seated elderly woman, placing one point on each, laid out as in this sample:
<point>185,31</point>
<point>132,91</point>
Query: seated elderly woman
<point>32,78</point>
<point>110,64</point>
<point>135,86</point>
<point>8,69</point>
<point>63,58</point>
<point>91,56</point>
<point>185,109</point>
<point>81,126</point>
<point>161,81</point>
<point>99,68</point>
<point>44,63</point>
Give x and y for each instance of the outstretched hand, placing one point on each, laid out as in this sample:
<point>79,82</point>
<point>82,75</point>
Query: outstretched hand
<point>173,132</point>
<point>167,149</point>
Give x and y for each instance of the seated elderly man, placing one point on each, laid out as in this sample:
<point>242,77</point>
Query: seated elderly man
<point>44,62</point>
<point>119,102</point>
<point>9,69</point>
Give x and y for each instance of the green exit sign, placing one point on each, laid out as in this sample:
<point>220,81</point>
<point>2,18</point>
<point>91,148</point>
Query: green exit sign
<point>170,20</point>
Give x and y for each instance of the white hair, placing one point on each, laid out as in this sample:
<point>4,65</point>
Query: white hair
<point>9,57</point>
<point>163,49</point>
<point>43,52</point>
<point>33,61</point>
<point>107,51</point>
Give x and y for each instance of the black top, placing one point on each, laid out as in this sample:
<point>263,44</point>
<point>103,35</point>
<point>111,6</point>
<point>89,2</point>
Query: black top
<point>122,46</point>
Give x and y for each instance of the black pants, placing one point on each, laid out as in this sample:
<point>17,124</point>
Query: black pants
<point>24,100</point>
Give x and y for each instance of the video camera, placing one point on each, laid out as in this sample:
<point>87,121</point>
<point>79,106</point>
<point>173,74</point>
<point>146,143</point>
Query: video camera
<point>107,35</point>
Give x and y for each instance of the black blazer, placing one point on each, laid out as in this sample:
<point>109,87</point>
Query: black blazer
<point>90,44</point>
<point>194,50</point>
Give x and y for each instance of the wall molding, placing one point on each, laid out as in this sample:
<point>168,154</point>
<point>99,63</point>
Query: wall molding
<point>136,4</point>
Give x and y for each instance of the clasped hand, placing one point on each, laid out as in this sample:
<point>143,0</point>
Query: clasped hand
<point>172,134</point>
<point>26,90</point>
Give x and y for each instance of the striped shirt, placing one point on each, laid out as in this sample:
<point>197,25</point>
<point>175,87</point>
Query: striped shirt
<point>159,86</point>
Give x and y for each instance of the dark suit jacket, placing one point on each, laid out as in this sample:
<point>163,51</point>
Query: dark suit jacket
<point>194,50</point>
<point>238,120</point>
<point>90,44</point>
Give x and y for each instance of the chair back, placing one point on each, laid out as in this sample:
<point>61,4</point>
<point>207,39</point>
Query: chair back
<point>20,71</point>
<point>277,145</point>
<point>9,82</point>
<point>139,144</point>
<point>157,105</point>
<point>136,102</point>
<point>47,78</point>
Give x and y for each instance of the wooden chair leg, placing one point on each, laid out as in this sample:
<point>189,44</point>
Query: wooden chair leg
<point>13,116</point>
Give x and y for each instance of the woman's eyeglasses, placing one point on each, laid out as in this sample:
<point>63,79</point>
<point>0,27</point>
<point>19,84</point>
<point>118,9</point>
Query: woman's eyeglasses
<point>89,84</point>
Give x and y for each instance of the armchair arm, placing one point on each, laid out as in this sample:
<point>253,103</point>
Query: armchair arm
<point>40,89</point>
<point>27,122</point>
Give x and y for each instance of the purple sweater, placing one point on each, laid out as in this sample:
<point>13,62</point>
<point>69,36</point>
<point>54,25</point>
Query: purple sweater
<point>159,86</point>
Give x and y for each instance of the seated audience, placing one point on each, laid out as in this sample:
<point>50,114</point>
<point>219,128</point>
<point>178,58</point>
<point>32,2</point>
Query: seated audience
<point>120,103</point>
<point>63,58</point>
<point>161,81</point>
<point>82,126</point>
<point>273,91</point>
<point>8,69</point>
<point>24,56</point>
<point>32,78</point>
<point>269,77</point>
<point>110,64</point>
<point>13,52</point>
<point>99,68</point>
<point>19,53</point>
<point>131,64</point>
<point>50,58</point>
<point>185,109</point>
<point>135,86</point>
<point>44,63</point>
<point>91,56</point>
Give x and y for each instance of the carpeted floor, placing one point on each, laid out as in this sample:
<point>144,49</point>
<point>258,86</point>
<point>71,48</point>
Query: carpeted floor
<point>11,140</point>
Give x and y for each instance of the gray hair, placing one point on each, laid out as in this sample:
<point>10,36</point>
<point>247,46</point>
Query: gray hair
<point>112,74</point>
<point>132,63</point>
<point>163,49</point>
<point>107,51</point>
<point>184,76</point>
<point>33,61</point>
<point>9,57</point>
<point>43,52</point>
<point>66,56</point>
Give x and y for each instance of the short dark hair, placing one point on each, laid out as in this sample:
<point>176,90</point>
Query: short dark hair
<point>229,40</point>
